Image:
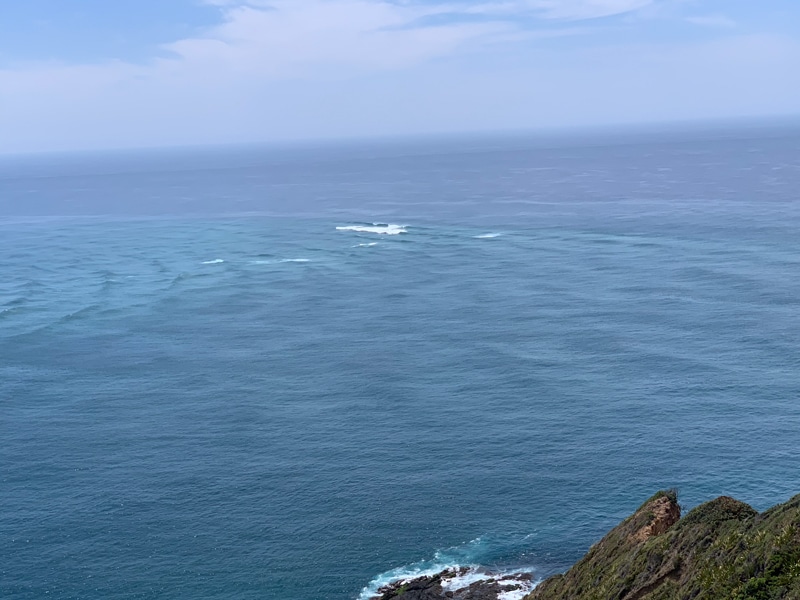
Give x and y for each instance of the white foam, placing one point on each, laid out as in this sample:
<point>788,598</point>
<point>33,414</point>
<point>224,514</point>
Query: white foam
<point>365,245</point>
<point>401,575</point>
<point>465,579</point>
<point>380,228</point>
<point>294,260</point>
<point>216,261</point>
<point>459,560</point>
<point>462,580</point>
<point>487,236</point>
<point>526,587</point>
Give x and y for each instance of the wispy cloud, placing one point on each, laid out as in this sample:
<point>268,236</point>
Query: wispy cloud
<point>288,37</point>
<point>718,21</point>
<point>548,9</point>
<point>307,68</point>
<point>584,9</point>
<point>291,37</point>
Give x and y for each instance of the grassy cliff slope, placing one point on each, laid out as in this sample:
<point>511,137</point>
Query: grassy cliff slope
<point>721,550</point>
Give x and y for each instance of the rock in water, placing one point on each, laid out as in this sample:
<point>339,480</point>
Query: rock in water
<point>460,584</point>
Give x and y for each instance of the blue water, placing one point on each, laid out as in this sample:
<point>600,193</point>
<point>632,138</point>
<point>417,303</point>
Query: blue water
<point>207,390</point>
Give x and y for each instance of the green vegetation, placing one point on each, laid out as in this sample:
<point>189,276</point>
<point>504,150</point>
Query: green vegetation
<point>721,550</point>
<point>401,590</point>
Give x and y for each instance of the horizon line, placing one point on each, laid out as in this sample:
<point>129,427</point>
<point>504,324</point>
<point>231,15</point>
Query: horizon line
<point>557,132</point>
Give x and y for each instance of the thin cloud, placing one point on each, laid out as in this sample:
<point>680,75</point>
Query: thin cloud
<point>717,21</point>
<point>290,38</point>
<point>294,38</point>
<point>585,9</point>
<point>542,9</point>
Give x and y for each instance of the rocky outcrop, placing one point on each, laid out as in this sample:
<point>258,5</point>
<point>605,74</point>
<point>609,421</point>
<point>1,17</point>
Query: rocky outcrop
<point>662,513</point>
<point>722,549</point>
<point>460,584</point>
<point>611,568</point>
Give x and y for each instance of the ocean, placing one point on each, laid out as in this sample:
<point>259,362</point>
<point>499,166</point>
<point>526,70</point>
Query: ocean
<point>295,373</point>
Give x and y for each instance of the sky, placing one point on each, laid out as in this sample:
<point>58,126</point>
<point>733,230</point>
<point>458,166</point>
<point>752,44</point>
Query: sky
<point>95,74</point>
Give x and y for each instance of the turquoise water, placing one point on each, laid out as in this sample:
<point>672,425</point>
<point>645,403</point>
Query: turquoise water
<point>218,379</point>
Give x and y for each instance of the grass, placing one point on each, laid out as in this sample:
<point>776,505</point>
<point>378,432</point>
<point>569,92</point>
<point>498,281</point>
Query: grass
<point>721,550</point>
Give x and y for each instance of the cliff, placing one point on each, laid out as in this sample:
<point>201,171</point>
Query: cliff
<point>720,550</point>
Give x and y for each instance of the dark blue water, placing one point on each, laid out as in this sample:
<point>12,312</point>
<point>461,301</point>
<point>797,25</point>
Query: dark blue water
<point>207,390</point>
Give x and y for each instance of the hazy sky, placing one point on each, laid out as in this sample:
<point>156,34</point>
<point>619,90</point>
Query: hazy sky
<point>84,74</point>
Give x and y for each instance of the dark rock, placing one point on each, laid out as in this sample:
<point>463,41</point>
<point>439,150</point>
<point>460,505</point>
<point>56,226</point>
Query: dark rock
<point>449,585</point>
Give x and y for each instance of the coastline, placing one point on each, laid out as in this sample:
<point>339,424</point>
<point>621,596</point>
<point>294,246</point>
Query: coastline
<point>720,549</point>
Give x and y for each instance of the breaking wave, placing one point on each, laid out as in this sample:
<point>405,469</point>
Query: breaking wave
<point>281,260</point>
<point>380,228</point>
<point>463,570</point>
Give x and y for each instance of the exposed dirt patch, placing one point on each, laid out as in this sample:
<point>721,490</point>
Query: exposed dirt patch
<point>665,514</point>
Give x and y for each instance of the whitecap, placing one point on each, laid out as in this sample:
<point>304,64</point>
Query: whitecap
<point>216,261</point>
<point>402,575</point>
<point>464,578</point>
<point>381,228</point>
<point>526,587</point>
<point>455,559</point>
<point>455,578</point>
<point>487,236</point>
<point>366,245</point>
<point>294,260</point>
